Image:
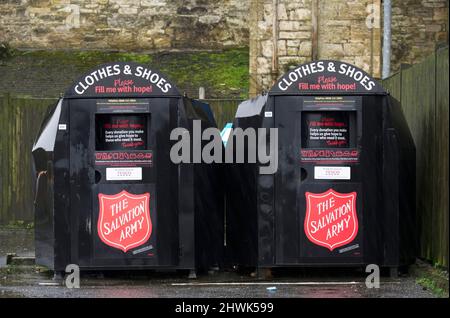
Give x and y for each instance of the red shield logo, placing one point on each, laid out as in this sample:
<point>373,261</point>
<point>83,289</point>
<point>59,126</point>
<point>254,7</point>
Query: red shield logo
<point>331,220</point>
<point>124,219</point>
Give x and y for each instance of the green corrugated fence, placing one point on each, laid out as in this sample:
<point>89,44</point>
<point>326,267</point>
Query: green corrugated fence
<point>423,92</point>
<point>20,119</point>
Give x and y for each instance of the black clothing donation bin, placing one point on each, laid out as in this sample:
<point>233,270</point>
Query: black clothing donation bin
<point>108,195</point>
<point>343,193</point>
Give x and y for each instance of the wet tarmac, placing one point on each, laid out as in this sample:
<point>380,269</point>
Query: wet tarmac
<point>15,240</point>
<point>33,281</point>
<point>29,282</point>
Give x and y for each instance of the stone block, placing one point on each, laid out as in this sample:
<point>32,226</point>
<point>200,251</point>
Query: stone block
<point>209,19</point>
<point>267,48</point>
<point>263,65</point>
<point>282,47</point>
<point>354,49</point>
<point>331,50</point>
<point>128,10</point>
<point>300,14</point>
<point>295,43</point>
<point>292,51</point>
<point>305,49</point>
<point>294,35</point>
<point>289,25</point>
<point>282,13</point>
<point>163,42</point>
<point>433,28</point>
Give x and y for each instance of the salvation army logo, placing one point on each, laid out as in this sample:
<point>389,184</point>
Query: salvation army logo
<point>331,220</point>
<point>124,219</point>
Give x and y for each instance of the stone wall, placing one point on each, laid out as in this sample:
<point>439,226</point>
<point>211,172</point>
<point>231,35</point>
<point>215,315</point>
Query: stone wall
<point>418,26</point>
<point>128,25</point>
<point>343,30</point>
<point>349,30</point>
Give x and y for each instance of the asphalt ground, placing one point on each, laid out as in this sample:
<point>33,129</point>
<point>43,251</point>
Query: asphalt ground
<point>34,281</point>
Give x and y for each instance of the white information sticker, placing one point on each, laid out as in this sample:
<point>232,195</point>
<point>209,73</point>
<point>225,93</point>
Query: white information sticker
<point>62,126</point>
<point>331,173</point>
<point>267,114</point>
<point>117,174</point>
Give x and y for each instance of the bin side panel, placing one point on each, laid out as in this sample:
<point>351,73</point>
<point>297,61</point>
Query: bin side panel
<point>400,188</point>
<point>241,204</point>
<point>61,188</point>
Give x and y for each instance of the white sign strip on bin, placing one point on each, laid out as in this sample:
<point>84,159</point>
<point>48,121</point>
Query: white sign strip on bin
<point>331,173</point>
<point>118,174</point>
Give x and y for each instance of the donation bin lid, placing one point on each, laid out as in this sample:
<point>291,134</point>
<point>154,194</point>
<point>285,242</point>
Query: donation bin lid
<point>327,77</point>
<point>47,135</point>
<point>122,79</point>
<point>251,107</point>
<point>206,109</point>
